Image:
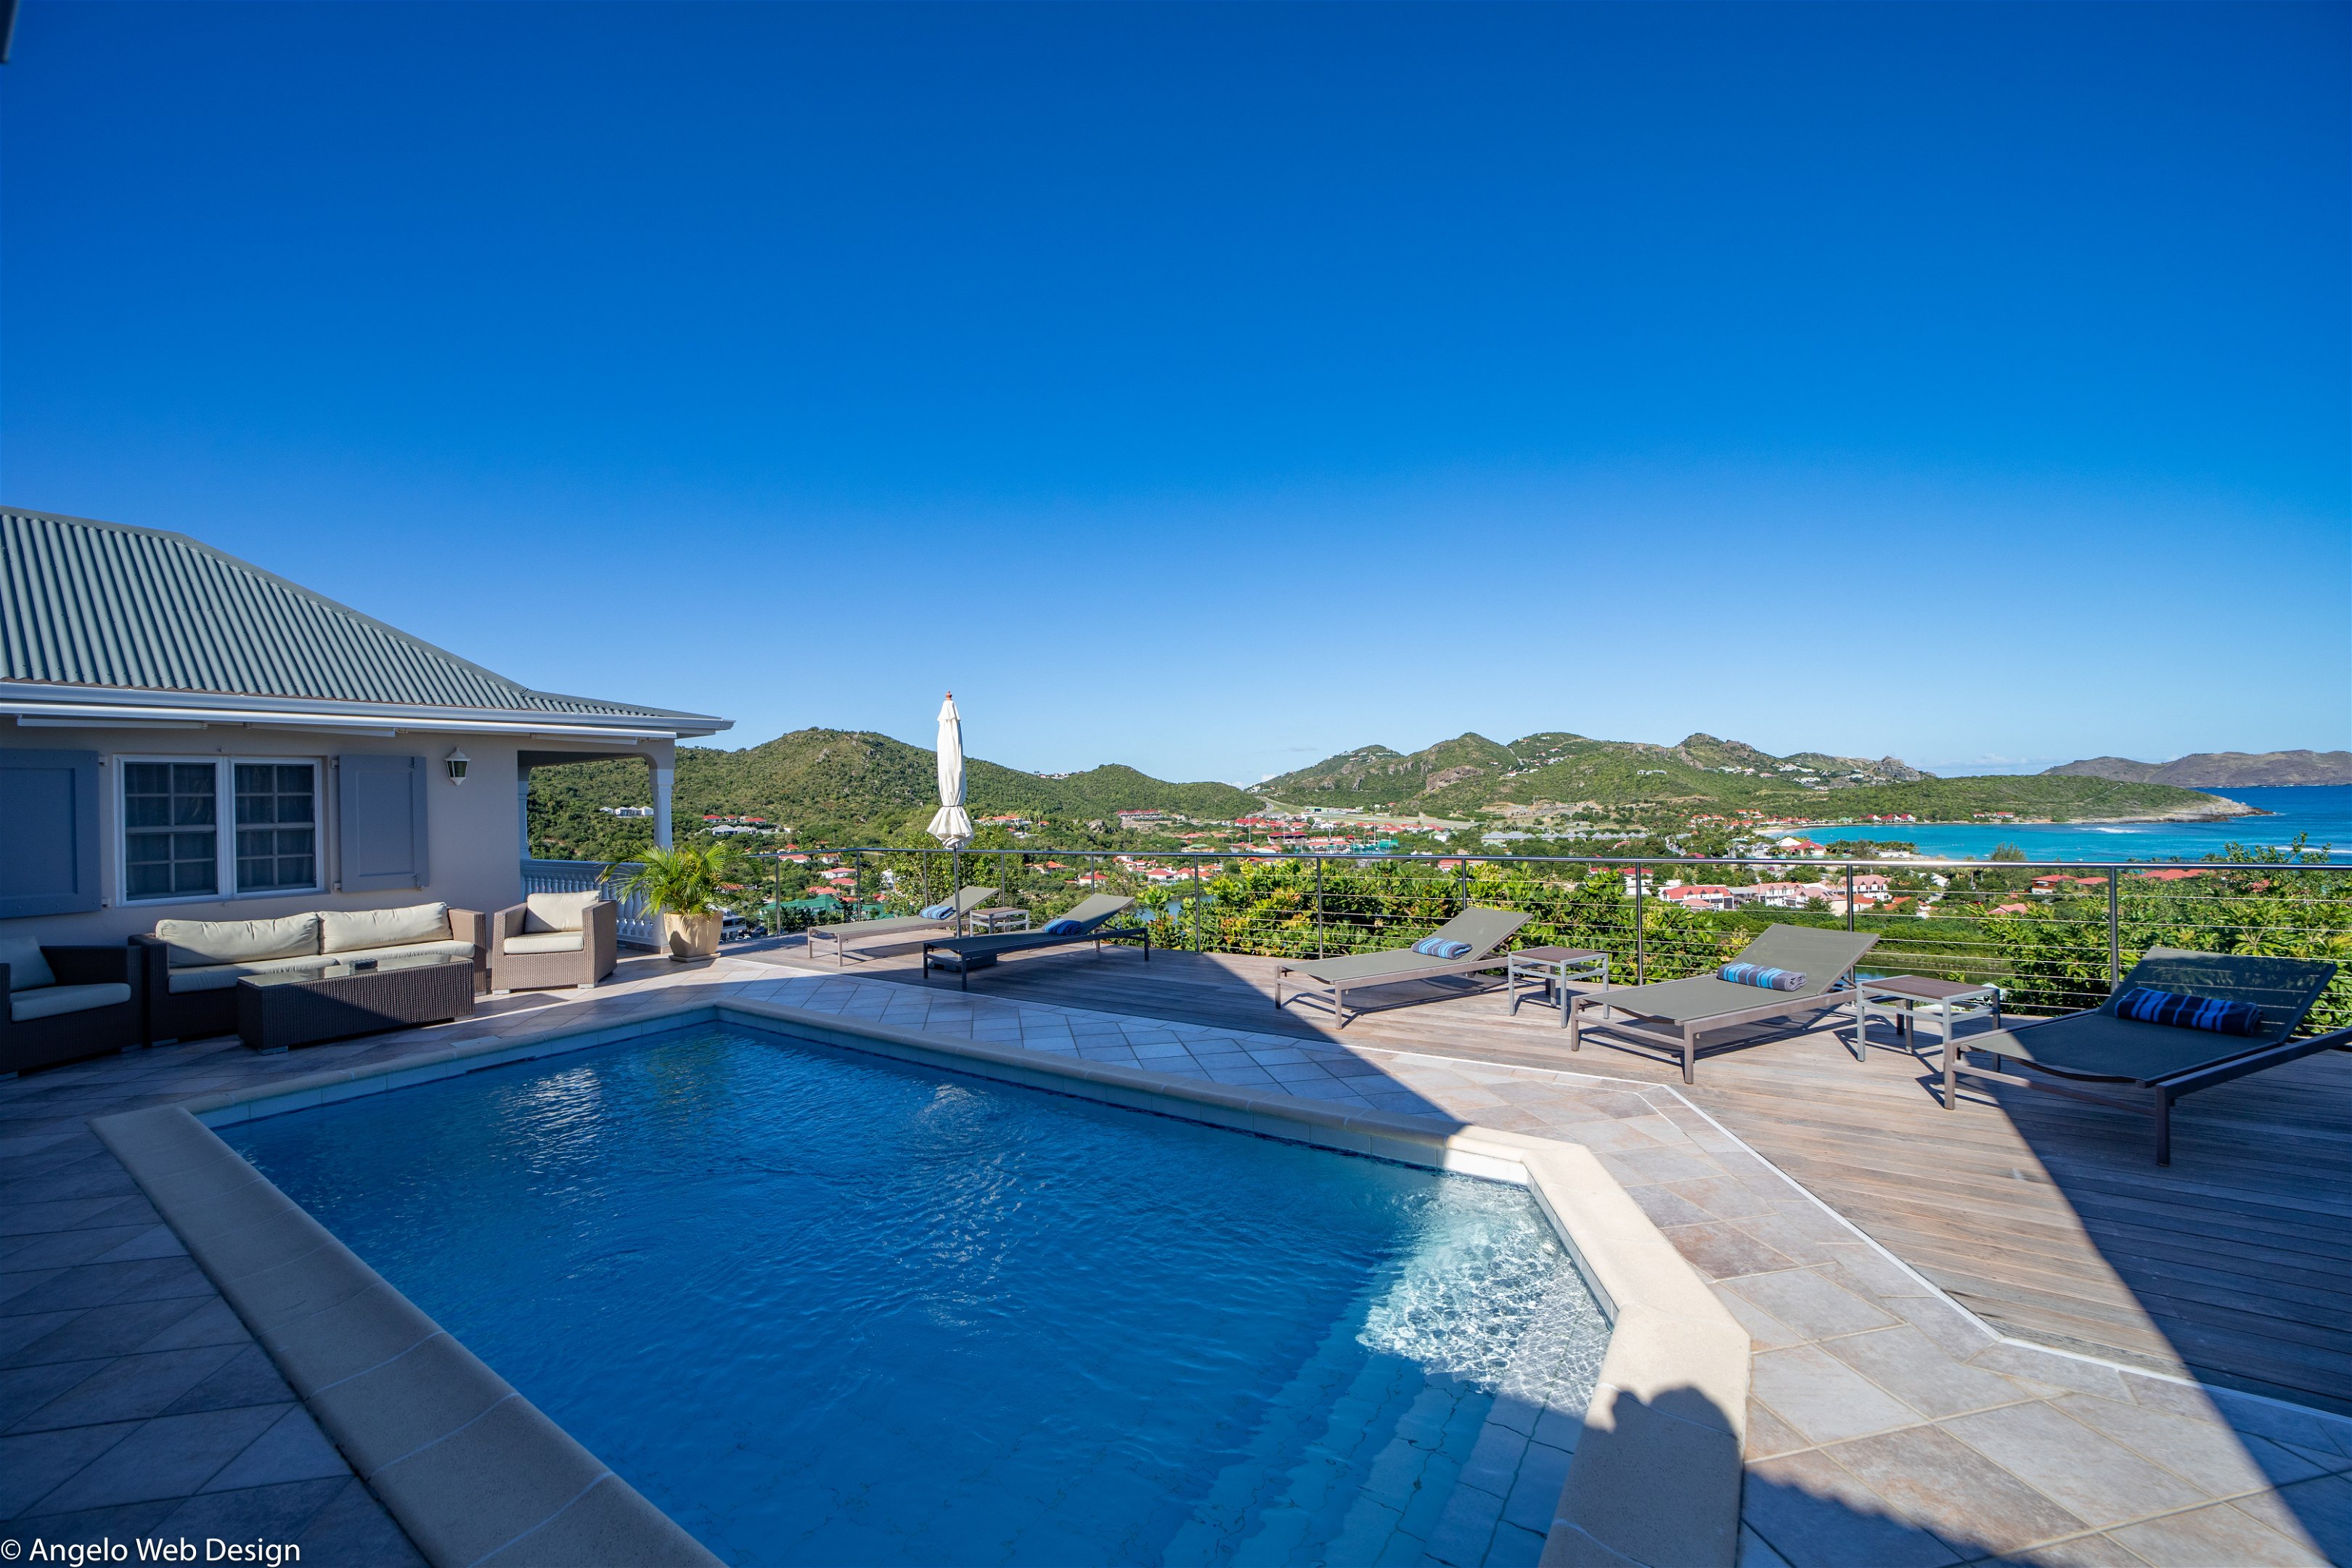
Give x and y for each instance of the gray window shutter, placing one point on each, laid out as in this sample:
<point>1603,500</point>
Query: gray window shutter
<point>49,832</point>
<point>380,812</point>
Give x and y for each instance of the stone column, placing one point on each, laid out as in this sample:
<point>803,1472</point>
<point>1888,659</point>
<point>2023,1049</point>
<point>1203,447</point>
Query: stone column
<point>664,773</point>
<point>522,810</point>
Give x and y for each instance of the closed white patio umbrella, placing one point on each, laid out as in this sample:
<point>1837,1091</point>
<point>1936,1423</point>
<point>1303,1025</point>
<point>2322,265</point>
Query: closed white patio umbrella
<point>950,825</point>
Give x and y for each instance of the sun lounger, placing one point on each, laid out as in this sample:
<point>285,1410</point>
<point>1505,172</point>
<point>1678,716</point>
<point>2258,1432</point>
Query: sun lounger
<point>2159,1061</point>
<point>1333,978</point>
<point>899,926</point>
<point>1093,915</point>
<point>1673,1014</point>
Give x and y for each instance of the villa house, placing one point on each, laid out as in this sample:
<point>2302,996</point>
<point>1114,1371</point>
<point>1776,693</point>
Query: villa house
<point>184,734</point>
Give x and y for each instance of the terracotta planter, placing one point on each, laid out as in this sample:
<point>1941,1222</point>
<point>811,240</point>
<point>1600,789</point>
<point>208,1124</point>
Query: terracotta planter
<point>690,936</point>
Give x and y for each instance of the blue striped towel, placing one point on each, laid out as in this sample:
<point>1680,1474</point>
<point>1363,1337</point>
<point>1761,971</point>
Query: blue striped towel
<point>1441,947</point>
<point>1062,928</point>
<point>2151,1006</point>
<point>938,911</point>
<point>1763,975</point>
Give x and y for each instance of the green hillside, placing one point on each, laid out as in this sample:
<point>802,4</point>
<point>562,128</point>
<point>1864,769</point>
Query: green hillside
<point>840,786</point>
<point>834,785</point>
<point>1558,771</point>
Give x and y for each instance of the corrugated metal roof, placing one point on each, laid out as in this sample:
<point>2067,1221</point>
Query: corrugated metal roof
<point>104,605</point>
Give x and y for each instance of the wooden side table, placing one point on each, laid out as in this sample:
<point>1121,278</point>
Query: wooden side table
<point>1553,968</point>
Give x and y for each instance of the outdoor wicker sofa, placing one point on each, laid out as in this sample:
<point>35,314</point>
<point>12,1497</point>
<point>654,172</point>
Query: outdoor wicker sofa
<point>2159,1061</point>
<point>1092,916</point>
<point>897,926</point>
<point>1331,979</point>
<point>554,939</point>
<point>64,1003</point>
<point>189,969</point>
<point>1673,1014</point>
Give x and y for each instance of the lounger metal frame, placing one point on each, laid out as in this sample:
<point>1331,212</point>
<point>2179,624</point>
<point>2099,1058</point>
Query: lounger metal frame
<point>2285,1003</point>
<point>969,947</point>
<point>2156,1094</point>
<point>1411,965</point>
<point>1334,992</point>
<point>901,928</point>
<point>1684,1038</point>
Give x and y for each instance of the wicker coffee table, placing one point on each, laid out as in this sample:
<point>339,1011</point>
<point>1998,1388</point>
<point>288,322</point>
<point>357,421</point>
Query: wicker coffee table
<point>334,1000</point>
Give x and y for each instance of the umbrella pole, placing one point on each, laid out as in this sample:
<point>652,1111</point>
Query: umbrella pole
<point>955,883</point>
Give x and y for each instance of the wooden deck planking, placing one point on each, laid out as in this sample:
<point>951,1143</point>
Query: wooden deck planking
<point>2046,1216</point>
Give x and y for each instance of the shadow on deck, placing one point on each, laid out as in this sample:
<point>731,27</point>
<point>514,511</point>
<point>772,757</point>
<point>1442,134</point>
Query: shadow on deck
<point>2046,1218</point>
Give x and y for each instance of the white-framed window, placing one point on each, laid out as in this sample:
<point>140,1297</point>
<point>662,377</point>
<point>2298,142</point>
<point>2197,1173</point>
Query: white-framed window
<point>211,827</point>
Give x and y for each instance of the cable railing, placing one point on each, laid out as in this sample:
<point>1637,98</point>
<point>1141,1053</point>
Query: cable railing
<point>2055,936</point>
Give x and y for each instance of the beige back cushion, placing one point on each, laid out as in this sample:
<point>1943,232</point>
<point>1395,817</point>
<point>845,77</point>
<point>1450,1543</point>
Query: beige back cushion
<point>239,941</point>
<point>342,930</point>
<point>556,911</point>
<point>28,966</point>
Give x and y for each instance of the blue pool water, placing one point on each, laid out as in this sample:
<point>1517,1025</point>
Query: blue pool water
<point>823,1308</point>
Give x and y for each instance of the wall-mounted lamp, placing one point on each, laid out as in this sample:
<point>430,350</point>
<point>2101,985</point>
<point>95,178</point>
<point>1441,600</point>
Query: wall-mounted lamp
<point>455,762</point>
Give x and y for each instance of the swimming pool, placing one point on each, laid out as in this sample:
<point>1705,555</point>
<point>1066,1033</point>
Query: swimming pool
<point>826,1308</point>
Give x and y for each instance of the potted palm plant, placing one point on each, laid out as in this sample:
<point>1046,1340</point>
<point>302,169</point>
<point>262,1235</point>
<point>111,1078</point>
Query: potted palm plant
<point>682,887</point>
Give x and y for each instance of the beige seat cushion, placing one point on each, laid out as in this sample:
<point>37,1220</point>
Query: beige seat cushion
<point>546,942</point>
<point>50,1001</point>
<point>28,966</point>
<point>221,976</point>
<point>199,942</point>
<point>341,930</point>
<point>555,912</point>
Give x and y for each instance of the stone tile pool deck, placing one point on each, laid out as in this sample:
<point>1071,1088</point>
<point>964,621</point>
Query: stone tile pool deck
<point>1888,1425</point>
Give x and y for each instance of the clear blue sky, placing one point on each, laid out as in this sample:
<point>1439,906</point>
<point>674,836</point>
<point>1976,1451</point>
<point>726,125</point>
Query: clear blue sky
<point>1214,387</point>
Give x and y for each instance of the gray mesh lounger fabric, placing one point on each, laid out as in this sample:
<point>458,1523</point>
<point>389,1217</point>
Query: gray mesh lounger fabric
<point>966,901</point>
<point>2157,1059</point>
<point>1690,1008</point>
<point>1484,928</point>
<point>1091,914</point>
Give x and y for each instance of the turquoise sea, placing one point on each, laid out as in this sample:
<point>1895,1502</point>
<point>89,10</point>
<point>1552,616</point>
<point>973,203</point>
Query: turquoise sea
<point>2322,810</point>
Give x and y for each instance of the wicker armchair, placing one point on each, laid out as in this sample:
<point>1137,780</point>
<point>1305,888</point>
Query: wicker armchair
<point>89,1007</point>
<point>553,939</point>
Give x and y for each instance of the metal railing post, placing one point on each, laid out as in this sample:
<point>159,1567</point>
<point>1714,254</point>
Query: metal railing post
<point>1639,956</point>
<point>1849,895</point>
<point>1196,903</point>
<point>1319,906</point>
<point>2114,932</point>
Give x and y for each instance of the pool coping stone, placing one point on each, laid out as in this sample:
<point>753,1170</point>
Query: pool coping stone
<point>325,1318</point>
<point>1667,1417</point>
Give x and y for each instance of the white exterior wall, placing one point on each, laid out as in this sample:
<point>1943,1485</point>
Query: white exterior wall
<point>473,847</point>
